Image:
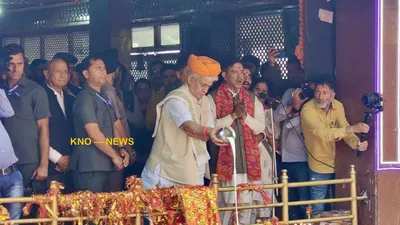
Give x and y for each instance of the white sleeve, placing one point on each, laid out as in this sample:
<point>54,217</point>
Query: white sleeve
<point>136,117</point>
<point>178,111</point>
<point>211,120</point>
<point>256,123</point>
<point>54,155</point>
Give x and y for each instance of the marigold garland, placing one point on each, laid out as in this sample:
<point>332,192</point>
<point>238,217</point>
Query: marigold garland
<point>274,221</point>
<point>299,52</point>
<point>4,214</point>
<point>190,205</point>
<point>162,205</point>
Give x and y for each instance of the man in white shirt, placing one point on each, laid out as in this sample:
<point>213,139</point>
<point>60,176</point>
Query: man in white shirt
<point>233,105</point>
<point>61,123</point>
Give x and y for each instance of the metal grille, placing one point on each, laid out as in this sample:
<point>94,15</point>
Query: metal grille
<point>65,15</point>
<point>52,44</point>
<point>222,40</point>
<point>170,61</point>
<point>80,44</point>
<point>143,74</point>
<point>55,43</point>
<point>20,4</point>
<point>156,8</point>
<point>13,40</point>
<point>32,47</point>
<point>136,73</point>
<point>221,45</point>
<point>257,34</point>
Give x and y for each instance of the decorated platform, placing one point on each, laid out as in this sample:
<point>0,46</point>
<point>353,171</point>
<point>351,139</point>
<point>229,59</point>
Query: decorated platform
<point>179,205</point>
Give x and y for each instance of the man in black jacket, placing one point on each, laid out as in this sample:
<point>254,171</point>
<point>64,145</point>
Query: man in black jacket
<point>61,122</point>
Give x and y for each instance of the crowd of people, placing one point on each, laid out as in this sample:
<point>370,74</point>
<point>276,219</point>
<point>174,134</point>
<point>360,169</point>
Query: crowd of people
<point>173,116</point>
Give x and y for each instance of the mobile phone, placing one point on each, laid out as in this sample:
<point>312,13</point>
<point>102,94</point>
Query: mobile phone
<point>282,53</point>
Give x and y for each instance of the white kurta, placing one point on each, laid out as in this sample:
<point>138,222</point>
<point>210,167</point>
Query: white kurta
<point>267,175</point>
<point>257,125</point>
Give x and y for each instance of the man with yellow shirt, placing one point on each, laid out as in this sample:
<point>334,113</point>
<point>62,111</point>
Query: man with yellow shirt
<point>323,123</point>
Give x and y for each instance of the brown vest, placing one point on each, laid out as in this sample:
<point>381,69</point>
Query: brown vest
<point>178,154</point>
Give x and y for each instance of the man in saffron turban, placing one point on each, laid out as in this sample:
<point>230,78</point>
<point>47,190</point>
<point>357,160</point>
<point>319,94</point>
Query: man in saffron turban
<point>184,123</point>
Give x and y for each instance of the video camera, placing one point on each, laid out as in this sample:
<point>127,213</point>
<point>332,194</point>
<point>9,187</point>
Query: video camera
<point>373,101</point>
<point>306,92</point>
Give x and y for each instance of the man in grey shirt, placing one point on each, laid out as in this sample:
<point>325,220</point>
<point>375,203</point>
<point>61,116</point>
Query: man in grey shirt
<point>94,119</point>
<point>110,58</point>
<point>11,184</point>
<point>294,152</point>
<point>29,127</point>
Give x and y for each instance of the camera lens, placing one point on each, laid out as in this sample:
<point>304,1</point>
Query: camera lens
<point>306,92</point>
<point>371,100</point>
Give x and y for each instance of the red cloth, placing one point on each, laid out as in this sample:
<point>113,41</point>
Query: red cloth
<point>199,205</point>
<point>224,107</point>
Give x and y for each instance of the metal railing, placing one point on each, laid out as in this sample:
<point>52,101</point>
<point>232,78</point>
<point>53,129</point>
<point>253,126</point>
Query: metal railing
<point>52,209</point>
<point>285,185</point>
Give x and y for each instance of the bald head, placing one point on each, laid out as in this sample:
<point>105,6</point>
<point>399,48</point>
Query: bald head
<point>56,74</point>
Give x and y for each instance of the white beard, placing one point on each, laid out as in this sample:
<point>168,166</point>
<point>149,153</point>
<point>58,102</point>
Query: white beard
<point>322,105</point>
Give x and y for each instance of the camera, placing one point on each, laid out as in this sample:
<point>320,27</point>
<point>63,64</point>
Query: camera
<point>373,101</point>
<point>306,92</point>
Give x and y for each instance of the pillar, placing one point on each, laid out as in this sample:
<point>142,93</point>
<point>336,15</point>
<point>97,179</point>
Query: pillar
<point>319,37</point>
<point>355,73</point>
<point>110,27</point>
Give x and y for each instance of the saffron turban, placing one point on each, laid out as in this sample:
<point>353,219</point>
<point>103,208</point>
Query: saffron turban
<point>204,66</point>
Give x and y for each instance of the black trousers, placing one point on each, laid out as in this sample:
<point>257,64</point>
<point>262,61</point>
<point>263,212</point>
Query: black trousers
<point>31,186</point>
<point>64,178</point>
<point>91,181</point>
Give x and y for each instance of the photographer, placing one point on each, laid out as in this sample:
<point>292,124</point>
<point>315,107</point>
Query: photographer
<point>323,122</point>
<point>293,150</point>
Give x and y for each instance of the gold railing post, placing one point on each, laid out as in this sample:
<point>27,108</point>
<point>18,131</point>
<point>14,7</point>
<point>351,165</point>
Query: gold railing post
<point>214,182</point>
<point>353,194</point>
<point>54,208</point>
<point>285,197</point>
<point>138,218</point>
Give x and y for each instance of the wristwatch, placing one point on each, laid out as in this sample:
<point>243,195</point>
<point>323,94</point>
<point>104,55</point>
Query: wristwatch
<point>234,116</point>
